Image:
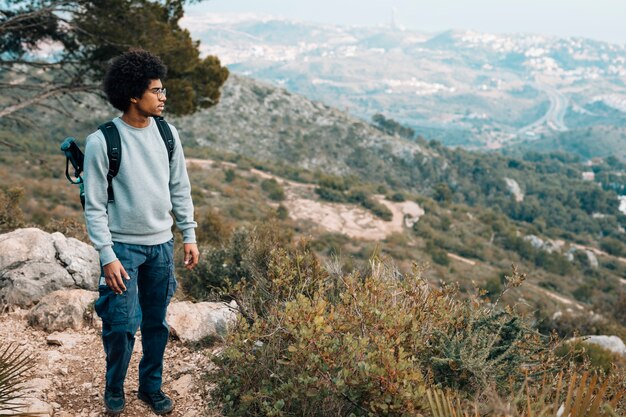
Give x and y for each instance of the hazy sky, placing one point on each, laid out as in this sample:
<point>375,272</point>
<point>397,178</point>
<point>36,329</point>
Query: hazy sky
<point>596,19</point>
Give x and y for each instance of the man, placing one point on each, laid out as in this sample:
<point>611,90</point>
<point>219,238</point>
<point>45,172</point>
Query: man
<point>132,233</point>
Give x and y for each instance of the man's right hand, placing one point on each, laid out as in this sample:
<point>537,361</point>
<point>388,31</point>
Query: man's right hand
<point>113,274</point>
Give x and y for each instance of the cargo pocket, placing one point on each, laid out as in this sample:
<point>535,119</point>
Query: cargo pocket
<point>111,308</point>
<point>172,284</point>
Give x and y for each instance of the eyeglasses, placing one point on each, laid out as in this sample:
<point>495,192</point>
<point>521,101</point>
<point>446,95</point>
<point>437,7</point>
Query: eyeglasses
<point>160,92</point>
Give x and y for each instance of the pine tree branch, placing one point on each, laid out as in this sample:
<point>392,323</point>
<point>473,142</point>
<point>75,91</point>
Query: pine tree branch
<point>43,96</point>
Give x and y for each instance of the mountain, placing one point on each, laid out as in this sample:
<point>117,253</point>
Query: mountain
<point>459,87</point>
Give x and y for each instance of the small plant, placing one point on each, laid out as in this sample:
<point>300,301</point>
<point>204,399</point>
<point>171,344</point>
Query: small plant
<point>14,364</point>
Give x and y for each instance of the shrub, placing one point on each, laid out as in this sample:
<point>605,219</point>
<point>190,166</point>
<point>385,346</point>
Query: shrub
<point>397,197</point>
<point>243,255</point>
<point>281,212</point>
<point>330,194</point>
<point>11,216</point>
<point>378,209</point>
<point>438,255</point>
<point>69,227</point>
<point>317,343</point>
<point>229,175</point>
<point>591,355</point>
<point>613,246</point>
<point>213,228</point>
<point>583,293</point>
<point>273,189</point>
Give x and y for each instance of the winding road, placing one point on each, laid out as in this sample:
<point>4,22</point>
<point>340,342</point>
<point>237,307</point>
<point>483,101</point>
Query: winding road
<point>555,116</point>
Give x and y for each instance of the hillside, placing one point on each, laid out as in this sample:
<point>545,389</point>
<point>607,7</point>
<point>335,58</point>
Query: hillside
<point>482,212</point>
<point>269,123</point>
<point>588,143</point>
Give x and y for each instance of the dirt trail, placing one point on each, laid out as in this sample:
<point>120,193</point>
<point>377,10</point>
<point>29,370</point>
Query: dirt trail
<point>560,298</point>
<point>70,377</point>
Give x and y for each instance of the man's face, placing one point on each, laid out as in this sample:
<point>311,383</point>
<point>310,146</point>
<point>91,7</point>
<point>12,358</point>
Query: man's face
<point>152,102</point>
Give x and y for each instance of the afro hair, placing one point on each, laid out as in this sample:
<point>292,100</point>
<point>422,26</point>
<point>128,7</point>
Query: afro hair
<point>130,75</point>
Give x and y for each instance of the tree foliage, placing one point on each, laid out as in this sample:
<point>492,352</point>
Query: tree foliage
<point>55,48</point>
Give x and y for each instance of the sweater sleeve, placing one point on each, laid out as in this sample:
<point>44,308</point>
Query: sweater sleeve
<point>180,192</point>
<point>95,178</point>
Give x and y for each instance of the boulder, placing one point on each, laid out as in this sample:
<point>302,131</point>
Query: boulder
<point>34,263</point>
<point>534,241</point>
<point>61,310</point>
<point>591,257</point>
<point>193,322</point>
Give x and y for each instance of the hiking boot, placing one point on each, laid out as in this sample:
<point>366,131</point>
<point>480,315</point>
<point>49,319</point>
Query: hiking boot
<point>158,401</point>
<point>114,400</point>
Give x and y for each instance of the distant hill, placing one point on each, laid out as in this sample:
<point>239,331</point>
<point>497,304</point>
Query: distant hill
<point>459,87</point>
<point>588,143</point>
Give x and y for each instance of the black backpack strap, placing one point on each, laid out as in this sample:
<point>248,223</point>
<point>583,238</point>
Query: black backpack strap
<point>114,153</point>
<point>166,135</point>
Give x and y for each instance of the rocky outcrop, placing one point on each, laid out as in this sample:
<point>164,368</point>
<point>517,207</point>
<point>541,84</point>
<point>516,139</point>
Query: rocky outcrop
<point>34,263</point>
<point>592,259</point>
<point>194,322</point>
<point>547,245</point>
<point>61,310</point>
<point>514,189</point>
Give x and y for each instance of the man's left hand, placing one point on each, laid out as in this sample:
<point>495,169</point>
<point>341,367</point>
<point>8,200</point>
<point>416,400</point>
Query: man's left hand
<point>192,255</point>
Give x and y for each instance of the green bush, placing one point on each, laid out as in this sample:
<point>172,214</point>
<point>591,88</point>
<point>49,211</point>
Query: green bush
<point>613,246</point>
<point>397,197</point>
<point>273,189</point>
<point>330,194</point>
<point>438,255</point>
<point>583,293</point>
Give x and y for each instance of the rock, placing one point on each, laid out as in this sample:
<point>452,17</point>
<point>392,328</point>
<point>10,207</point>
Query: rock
<point>183,385</point>
<point>53,341</point>
<point>37,385</point>
<point>547,245</point>
<point>38,408</point>
<point>34,263</point>
<point>534,241</point>
<point>61,310</point>
<point>610,343</point>
<point>591,257</point>
<point>191,322</point>
<point>514,189</point>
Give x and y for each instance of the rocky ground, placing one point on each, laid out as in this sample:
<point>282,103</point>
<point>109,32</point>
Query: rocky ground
<point>68,377</point>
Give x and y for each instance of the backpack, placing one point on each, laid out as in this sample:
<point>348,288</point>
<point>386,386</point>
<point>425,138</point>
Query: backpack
<point>75,156</point>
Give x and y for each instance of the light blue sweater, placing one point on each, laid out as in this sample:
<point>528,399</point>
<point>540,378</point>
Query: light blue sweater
<point>147,188</point>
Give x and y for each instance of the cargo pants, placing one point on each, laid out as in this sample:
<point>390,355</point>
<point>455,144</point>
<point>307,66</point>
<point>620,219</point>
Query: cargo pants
<point>143,305</point>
